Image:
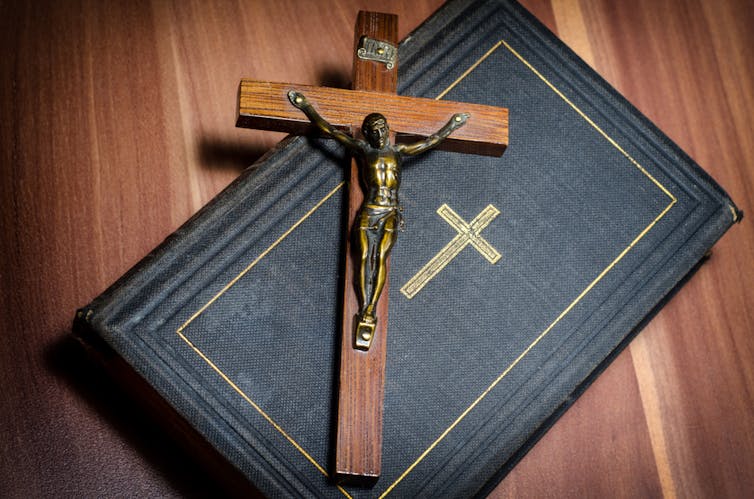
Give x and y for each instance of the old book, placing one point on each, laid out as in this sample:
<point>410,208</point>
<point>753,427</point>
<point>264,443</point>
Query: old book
<point>517,280</point>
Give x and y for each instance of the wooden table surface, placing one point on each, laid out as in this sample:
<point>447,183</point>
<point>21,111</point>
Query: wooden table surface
<point>118,124</point>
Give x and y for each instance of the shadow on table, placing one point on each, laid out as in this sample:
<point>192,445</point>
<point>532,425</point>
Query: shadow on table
<point>69,361</point>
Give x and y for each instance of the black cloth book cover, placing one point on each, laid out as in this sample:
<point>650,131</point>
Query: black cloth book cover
<point>585,225</point>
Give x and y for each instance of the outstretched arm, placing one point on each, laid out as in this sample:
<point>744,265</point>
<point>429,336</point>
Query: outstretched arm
<point>456,122</point>
<point>299,100</point>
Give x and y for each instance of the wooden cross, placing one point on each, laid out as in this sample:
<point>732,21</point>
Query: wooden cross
<point>265,105</point>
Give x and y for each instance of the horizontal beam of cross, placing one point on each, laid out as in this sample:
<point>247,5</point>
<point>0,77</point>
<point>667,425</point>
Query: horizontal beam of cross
<point>265,105</point>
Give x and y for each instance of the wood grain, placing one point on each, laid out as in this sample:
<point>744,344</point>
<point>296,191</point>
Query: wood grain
<point>361,381</point>
<point>118,124</point>
<point>264,105</point>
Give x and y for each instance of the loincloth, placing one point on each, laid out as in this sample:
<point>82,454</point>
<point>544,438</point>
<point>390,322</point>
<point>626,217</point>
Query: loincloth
<point>378,218</point>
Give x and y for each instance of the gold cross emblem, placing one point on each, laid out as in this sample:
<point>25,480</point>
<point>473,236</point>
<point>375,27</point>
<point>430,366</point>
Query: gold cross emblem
<point>468,233</point>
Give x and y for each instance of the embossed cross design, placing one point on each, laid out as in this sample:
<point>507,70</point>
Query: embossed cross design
<point>468,233</point>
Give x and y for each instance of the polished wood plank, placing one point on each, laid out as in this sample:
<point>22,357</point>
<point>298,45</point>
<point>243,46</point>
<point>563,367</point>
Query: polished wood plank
<point>118,124</point>
<point>361,378</point>
<point>683,64</point>
<point>264,105</point>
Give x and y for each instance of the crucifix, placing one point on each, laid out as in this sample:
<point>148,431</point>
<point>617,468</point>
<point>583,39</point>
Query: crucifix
<point>374,213</point>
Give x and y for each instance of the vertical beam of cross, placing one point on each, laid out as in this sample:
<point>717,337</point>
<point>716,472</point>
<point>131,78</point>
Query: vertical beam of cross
<point>358,454</point>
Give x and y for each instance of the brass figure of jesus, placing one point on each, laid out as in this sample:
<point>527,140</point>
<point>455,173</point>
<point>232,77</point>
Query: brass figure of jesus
<point>380,217</point>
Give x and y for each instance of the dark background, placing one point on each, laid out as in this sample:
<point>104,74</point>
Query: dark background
<point>118,124</point>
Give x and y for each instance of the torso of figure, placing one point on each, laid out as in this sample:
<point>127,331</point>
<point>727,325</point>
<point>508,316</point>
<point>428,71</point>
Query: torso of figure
<point>382,176</point>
